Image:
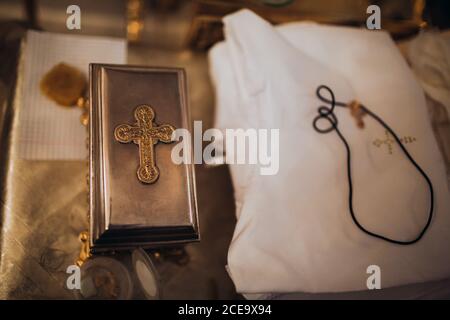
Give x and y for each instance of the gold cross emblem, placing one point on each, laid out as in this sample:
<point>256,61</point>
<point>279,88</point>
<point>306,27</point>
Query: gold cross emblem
<point>145,134</point>
<point>389,141</point>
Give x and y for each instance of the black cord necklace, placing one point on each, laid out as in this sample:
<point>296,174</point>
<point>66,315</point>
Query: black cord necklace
<point>358,110</point>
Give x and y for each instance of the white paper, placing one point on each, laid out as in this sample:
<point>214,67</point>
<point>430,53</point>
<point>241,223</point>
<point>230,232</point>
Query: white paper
<point>48,131</point>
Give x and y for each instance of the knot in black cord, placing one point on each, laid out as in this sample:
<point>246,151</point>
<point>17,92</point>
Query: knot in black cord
<point>326,113</point>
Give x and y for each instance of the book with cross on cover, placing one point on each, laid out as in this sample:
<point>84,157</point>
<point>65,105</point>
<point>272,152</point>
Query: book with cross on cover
<point>138,196</point>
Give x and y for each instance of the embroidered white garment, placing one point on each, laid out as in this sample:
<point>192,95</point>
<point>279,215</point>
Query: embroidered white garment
<point>294,231</point>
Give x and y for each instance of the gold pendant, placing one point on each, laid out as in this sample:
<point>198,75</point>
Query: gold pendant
<point>145,134</point>
<point>356,112</point>
<point>66,85</point>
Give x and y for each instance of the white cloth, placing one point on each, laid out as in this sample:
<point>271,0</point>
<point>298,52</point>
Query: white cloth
<point>48,131</point>
<point>294,231</point>
<point>429,54</point>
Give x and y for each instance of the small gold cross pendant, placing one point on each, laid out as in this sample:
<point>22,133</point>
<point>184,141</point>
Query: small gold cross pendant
<point>145,135</point>
<point>357,113</point>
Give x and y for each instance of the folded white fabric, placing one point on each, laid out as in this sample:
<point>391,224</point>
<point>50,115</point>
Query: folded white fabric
<point>294,231</point>
<point>429,54</point>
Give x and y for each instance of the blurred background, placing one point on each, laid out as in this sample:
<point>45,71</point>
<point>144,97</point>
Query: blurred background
<point>178,32</point>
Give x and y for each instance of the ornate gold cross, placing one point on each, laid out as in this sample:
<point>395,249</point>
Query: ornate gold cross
<point>389,141</point>
<point>145,134</point>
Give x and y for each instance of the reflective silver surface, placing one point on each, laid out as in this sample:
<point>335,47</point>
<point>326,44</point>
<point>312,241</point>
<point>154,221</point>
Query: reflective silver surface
<point>122,207</point>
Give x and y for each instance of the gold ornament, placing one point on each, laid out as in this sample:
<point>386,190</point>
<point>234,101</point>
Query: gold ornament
<point>145,135</point>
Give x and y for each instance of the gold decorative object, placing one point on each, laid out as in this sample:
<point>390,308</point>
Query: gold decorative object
<point>135,19</point>
<point>357,113</point>
<point>66,85</point>
<point>85,251</point>
<point>145,135</point>
<point>389,141</point>
<point>83,103</point>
